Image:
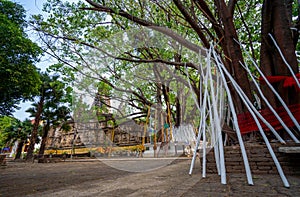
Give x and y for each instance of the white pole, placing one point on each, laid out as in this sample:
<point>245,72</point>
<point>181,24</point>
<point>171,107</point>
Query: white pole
<point>202,123</point>
<point>248,105</point>
<point>279,98</point>
<point>204,135</point>
<point>270,106</point>
<point>273,90</point>
<point>204,151</point>
<point>278,166</point>
<point>217,122</point>
<point>206,100</point>
<point>284,60</point>
<point>196,147</point>
<point>220,141</point>
<point>199,129</point>
<point>217,154</point>
<point>235,122</point>
<point>213,139</point>
<point>240,91</point>
<point>222,159</point>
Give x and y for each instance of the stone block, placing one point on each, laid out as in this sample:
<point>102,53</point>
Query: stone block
<point>236,167</point>
<point>234,159</point>
<point>265,163</point>
<point>260,159</point>
<point>264,167</point>
<point>260,171</point>
<point>253,167</point>
<point>232,152</point>
<point>234,171</point>
<point>258,151</point>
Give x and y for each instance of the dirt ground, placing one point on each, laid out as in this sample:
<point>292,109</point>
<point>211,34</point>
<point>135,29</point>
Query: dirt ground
<point>94,178</point>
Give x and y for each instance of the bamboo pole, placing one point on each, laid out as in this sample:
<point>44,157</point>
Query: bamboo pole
<point>162,131</point>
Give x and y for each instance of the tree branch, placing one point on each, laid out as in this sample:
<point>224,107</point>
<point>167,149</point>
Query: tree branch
<point>188,64</point>
<point>164,30</point>
<point>192,22</point>
<point>231,6</point>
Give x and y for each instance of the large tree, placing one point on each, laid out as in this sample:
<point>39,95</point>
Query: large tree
<point>19,78</point>
<point>75,32</point>
<point>277,21</point>
<point>217,21</point>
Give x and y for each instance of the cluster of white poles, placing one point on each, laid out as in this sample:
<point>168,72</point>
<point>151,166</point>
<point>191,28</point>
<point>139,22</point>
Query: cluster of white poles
<point>183,133</point>
<point>214,89</point>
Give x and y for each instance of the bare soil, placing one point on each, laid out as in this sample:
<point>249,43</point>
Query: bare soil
<point>94,178</point>
<point>19,178</point>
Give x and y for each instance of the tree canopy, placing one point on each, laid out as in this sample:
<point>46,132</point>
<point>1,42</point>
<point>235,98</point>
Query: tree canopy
<point>83,36</point>
<point>52,108</point>
<point>19,79</point>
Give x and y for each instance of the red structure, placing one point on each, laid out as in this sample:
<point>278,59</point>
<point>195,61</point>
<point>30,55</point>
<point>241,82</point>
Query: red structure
<point>288,81</point>
<point>247,123</point>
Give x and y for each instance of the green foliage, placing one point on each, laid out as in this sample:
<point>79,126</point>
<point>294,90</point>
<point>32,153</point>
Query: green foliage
<point>13,130</point>
<point>52,108</point>
<point>56,100</point>
<point>89,43</point>
<point>14,12</point>
<point>19,78</point>
<point>247,30</point>
<point>5,122</point>
<point>101,50</point>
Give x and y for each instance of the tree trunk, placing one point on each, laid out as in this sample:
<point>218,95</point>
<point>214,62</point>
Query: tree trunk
<point>44,138</point>
<point>166,91</point>
<point>275,21</point>
<point>34,133</point>
<point>235,57</point>
<point>178,112</point>
<point>178,108</point>
<point>19,149</point>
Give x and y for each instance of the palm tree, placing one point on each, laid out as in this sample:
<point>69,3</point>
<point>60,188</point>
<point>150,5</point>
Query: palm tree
<point>17,131</point>
<point>52,108</point>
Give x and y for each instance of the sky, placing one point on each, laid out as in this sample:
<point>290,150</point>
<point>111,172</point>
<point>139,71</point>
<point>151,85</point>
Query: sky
<point>31,7</point>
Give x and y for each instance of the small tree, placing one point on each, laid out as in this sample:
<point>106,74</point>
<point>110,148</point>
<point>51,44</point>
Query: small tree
<point>17,131</point>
